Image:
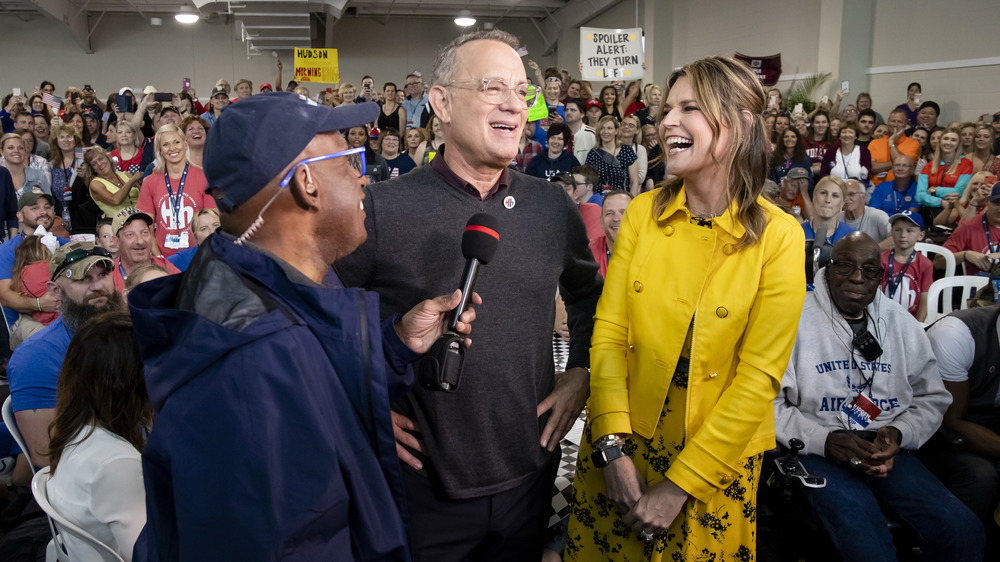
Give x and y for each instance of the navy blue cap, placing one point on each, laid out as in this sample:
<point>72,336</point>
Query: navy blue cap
<point>253,141</point>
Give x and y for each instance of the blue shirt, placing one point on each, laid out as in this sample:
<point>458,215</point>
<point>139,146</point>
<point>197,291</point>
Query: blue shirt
<point>887,198</point>
<point>841,231</point>
<point>7,266</point>
<point>34,368</point>
<point>182,259</point>
<point>414,108</point>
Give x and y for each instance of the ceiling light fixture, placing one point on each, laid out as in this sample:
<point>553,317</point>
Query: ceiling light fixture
<point>186,15</point>
<point>465,19</point>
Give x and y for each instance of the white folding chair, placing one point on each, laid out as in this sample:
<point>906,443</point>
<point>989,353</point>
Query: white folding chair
<point>949,261</point>
<point>11,422</point>
<point>64,525</point>
<point>938,306</point>
<point>55,550</point>
<point>949,258</point>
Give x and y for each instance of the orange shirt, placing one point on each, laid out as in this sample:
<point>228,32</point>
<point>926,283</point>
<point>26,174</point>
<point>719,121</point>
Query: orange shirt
<point>879,149</point>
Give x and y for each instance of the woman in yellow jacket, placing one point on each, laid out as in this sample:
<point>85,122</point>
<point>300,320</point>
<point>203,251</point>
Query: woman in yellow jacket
<point>692,334</point>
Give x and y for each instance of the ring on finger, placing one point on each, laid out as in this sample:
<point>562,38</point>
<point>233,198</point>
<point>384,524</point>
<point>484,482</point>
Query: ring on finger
<point>646,536</point>
<point>855,463</point>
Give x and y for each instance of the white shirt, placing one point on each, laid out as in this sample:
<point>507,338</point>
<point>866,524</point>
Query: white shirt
<point>98,486</point>
<point>583,141</point>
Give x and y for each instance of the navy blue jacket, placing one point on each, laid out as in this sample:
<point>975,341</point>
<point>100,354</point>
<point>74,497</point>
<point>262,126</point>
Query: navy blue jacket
<point>272,437</point>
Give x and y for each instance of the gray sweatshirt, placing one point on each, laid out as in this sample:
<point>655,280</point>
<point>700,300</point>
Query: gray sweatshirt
<point>822,376</point>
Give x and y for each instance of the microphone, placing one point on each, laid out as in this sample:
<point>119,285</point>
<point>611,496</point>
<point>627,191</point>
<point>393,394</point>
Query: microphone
<point>441,368</point>
<point>479,243</point>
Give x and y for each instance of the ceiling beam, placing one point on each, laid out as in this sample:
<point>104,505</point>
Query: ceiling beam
<point>70,16</point>
<point>573,14</point>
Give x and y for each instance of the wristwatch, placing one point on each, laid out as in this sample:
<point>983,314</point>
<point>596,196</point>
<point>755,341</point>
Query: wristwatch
<point>607,449</point>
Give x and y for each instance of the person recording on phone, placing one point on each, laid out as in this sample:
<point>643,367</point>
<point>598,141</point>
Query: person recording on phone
<point>284,407</point>
<point>495,440</point>
<point>862,390</point>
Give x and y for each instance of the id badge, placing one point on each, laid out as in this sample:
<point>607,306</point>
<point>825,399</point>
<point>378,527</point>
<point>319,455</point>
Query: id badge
<point>173,242</point>
<point>859,413</point>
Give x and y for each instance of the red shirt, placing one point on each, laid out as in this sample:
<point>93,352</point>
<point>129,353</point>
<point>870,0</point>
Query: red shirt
<point>591,214</point>
<point>942,179</point>
<point>970,236</point>
<point>158,260</point>
<point>129,166</point>
<point>156,202</point>
<point>599,247</point>
<point>916,279</point>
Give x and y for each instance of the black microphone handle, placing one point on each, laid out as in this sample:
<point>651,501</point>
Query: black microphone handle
<point>468,282</point>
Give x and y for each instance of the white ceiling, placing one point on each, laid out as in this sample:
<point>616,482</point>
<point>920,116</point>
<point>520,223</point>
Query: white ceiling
<point>278,24</point>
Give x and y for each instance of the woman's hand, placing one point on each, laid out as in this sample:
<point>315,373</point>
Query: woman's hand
<point>623,483</point>
<point>657,508</point>
<point>932,190</point>
<point>949,201</point>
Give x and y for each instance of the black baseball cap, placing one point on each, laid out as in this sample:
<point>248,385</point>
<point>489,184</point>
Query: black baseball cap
<point>255,140</point>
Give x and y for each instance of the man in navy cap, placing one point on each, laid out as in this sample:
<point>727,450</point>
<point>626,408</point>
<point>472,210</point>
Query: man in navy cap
<point>271,381</point>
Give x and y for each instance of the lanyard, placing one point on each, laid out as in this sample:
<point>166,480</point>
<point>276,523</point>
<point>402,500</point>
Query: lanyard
<point>989,239</point>
<point>122,270</point>
<point>175,202</point>
<point>895,280</point>
<point>895,200</point>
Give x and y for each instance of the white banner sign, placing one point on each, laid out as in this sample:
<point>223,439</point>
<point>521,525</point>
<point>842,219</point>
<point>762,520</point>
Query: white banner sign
<point>611,54</point>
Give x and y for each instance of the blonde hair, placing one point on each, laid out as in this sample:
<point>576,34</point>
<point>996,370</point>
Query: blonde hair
<point>955,159</point>
<point>600,125</point>
<point>137,138</point>
<point>729,94</point>
<point>835,180</point>
<point>243,81</point>
<point>31,250</point>
<point>86,169</point>
<point>159,164</point>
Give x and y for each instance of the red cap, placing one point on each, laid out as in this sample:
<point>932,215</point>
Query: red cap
<point>266,85</point>
<point>593,103</point>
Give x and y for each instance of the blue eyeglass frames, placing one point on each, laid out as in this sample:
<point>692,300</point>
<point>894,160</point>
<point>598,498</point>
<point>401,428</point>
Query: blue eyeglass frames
<point>355,157</point>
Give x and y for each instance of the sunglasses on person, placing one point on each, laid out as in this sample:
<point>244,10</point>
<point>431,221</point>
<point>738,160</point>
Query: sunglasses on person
<point>355,157</point>
<point>79,254</point>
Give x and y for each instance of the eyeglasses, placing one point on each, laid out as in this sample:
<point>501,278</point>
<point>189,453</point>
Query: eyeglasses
<point>497,91</point>
<point>79,254</point>
<point>846,269</point>
<point>355,157</point>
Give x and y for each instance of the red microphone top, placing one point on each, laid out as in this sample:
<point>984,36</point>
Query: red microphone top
<point>483,229</point>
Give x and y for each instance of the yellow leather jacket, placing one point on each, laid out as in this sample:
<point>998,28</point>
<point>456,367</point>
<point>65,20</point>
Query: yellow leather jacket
<point>745,305</point>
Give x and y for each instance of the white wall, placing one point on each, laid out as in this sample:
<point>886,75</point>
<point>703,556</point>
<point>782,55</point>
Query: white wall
<point>913,32</point>
<point>391,51</point>
<point>130,52</point>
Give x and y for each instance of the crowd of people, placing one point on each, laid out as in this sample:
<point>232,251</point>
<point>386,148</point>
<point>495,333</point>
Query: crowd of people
<point>289,259</point>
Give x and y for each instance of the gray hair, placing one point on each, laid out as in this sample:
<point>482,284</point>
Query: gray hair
<point>444,66</point>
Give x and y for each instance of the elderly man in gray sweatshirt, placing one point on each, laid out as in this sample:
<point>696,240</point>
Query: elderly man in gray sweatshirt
<point>862,391</point>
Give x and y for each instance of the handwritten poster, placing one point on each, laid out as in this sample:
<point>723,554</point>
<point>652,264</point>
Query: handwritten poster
<point>317,65</point>
<point>611,54</point>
